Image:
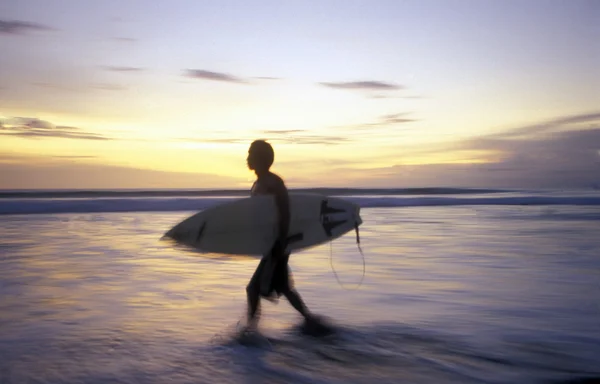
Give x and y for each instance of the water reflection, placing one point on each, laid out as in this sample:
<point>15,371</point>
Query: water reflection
<point>104,282</point>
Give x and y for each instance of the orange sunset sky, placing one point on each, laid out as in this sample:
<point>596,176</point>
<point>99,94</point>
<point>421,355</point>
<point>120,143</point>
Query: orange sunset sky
<point>137,94</point>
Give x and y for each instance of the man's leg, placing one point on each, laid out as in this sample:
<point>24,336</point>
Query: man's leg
<point>296,301</point>
<point>253,294</point>
<point>285,285</point>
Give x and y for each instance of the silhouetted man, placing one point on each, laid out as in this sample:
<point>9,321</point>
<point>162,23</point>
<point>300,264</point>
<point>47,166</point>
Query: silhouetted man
<point>272,277</point>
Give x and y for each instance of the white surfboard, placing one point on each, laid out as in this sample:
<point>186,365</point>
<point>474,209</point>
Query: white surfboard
<point>248,226</point>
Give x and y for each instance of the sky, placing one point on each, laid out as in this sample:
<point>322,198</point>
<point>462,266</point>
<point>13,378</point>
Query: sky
<point>136,94</point>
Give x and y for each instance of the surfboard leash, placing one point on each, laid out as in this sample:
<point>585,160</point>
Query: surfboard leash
<point>363,260</point>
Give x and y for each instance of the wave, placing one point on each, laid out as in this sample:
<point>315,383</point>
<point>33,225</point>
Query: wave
<point>165,204</point>
<point>237,192</point>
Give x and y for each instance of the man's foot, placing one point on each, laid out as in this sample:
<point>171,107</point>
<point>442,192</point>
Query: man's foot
<point>251,337</point>
<point>317,326</point>
<point>251,326</point>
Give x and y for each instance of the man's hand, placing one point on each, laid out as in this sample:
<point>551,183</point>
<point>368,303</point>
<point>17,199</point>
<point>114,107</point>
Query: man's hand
<point>279,247</point>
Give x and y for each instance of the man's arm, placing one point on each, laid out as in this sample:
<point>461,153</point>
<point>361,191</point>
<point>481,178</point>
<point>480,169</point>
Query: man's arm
<point>283,209</point>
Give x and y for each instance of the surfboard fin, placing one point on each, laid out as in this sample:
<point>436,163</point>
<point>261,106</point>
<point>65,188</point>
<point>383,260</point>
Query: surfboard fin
<point>325,208</point>
<point>329,225</point>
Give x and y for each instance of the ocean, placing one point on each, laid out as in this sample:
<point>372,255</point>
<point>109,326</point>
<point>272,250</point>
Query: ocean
<point>458,286</point>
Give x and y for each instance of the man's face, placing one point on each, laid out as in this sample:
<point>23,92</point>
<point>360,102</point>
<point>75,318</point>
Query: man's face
<point>251,159</point>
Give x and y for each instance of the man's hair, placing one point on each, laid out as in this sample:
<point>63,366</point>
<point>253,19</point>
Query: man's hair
<point>264,152</point>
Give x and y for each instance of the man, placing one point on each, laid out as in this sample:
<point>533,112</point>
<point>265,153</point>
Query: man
<point>272,277</point>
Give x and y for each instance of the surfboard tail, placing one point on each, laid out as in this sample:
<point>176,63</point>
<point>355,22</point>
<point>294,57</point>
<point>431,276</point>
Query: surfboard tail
<point>357,217</point>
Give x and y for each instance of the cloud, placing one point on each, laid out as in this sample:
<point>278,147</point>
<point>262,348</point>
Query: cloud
<point>35,128</point>
<point>321,162</point>
<point>519,139</point>
<point>548,126</point>
<point>381,124</point>
<point>364,85</point>
<point>559,153</point>
<point>315,140</point>
<point>380,96</point>
<point>283,131</point>
<point>42,172</point>
<point>10,158</point>
<point>108,87</point>
<point>283,137</point>
<point>55,86</point>
<point>74,157</point>
<point>573,151</point>
<point>218,140</point>
<point>122,69</point>
<point>224,77</point>
<point>303,137</point>
<point>125,39</point>
<point>396,118</point>
<point>81,87</point>
<point>383,97</point>
<point>15,27</point>
<point>214,76</point>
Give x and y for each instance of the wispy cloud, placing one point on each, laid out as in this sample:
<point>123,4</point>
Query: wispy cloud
<point>16,27</point>
<point>213,76</point>
<point>108,87</point>
<point>548,126</point>
<point>81,87</point>
<point>314,140</point>
<point>381,96</point>
<point>122,69</point>
<point>125,39</point>
<point>74,157</point>
<point>559,153</point>
<point>555,144</point>
<point>301,140</point>
<point>35,128</point>
<point>55,86</point>
<point>303,137</point>
<point>382,123</point>
<point>364,85</point>
<point>321,163</point>
<point>202,74</point>
<point>8,158</point>
<point>44,172</point>
<point>396,118</point>
<point>294,136</point>
<point>214,140</point>
<point>282,131</point>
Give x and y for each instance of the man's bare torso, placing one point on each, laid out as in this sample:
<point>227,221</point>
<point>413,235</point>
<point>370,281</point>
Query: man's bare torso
<point>267,185</point>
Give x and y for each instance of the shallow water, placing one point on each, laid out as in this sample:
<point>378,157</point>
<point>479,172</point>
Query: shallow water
<point>483,294</point>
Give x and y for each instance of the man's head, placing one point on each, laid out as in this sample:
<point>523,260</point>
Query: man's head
<point>260,156</point>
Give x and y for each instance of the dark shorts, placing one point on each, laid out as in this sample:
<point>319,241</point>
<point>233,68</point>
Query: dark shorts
<point>281,280</point>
